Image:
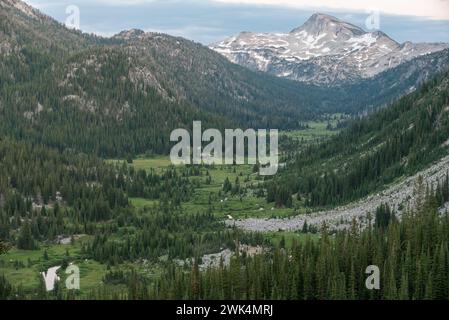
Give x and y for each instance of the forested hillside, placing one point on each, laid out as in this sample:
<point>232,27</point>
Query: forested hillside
<point>411,253</point>
<point>73,106</point>
<point>372,152</point>
<point>44,194</point>
<point>141,86</point>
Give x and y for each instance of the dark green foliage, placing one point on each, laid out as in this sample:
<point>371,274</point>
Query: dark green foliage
<point>166,233</point>
<point>26,240</point>
<point>44,193</point>
<point>373,151</point>
<point>227,186</point>
<point>384,216</point>
<point>5,288</point>
<point>63,93</point>
<point>412,255</point>
<point>123,96</point>
<point>3,247</point>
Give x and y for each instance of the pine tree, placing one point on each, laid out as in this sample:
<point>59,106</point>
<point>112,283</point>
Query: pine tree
<point>5,288</point>
<point>4,248</point>
<point>26,240</point>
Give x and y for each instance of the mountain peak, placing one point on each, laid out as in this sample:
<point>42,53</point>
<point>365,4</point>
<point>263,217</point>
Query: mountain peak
<point>320,23</point>
<point>22,7</point>
<point>130,34</point>
<point>322,16</point>
<point>324,50</point>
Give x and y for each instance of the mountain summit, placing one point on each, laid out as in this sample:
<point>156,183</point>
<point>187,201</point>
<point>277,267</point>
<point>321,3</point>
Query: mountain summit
<point>324,50</point>
<point>320,23</point>
<point>22,7</point>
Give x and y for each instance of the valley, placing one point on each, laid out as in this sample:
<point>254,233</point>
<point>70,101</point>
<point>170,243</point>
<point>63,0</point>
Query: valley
<point>22,267</point>
<point>86,178</point>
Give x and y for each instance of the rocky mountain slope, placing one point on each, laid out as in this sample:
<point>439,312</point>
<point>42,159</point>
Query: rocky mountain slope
<point>399,197</point>
<point>141,86</point>
<point>395,147</point>
<point>376,160</point>
<point>189,71</point>
<point>324,50</point>
<point>391,84</point>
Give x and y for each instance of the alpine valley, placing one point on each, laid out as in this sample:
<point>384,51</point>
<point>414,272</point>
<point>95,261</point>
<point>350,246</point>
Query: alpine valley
<point>86,181</point>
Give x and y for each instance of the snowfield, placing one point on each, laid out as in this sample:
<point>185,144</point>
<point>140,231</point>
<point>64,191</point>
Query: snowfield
<point>322,41</point>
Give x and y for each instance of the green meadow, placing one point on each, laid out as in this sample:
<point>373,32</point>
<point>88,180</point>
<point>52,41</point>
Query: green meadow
<point>23,267</point>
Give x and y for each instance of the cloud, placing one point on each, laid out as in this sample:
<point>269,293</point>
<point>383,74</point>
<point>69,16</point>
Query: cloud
<point>434,9</point>
<point>208,21</point>
<point>123,2</point>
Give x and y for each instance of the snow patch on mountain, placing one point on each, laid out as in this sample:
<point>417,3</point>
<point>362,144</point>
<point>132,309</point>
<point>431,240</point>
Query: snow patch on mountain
<point>323,50</point>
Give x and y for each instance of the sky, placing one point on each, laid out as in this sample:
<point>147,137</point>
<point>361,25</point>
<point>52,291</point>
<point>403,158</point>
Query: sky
<point>209,21</point>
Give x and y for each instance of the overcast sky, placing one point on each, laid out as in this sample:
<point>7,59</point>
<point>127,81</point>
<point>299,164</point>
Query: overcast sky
<point>207,21</point>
